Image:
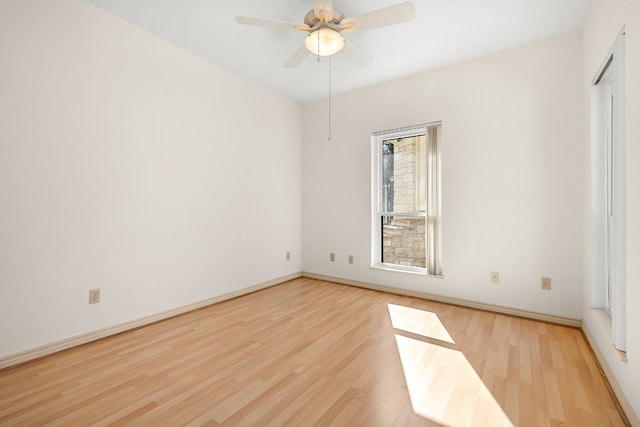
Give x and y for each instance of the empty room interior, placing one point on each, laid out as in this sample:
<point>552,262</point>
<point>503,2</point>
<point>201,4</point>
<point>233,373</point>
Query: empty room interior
<point>207,219</point>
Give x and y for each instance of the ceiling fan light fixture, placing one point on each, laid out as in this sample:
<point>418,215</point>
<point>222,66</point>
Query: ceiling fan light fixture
<point>324,42</point>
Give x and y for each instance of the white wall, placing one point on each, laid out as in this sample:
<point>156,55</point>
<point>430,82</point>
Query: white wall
<point>131,165</point>
<point>605,20</point>
<point>512,168</point>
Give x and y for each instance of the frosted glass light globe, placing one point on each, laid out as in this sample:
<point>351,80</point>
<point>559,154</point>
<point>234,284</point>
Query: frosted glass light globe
<point>324,42</point>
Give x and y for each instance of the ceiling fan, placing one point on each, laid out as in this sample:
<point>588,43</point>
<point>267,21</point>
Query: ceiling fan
<point>325,26</point>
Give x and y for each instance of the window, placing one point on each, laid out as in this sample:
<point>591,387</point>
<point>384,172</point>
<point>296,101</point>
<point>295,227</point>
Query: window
<point>608,192</point>
<point>406,199</point>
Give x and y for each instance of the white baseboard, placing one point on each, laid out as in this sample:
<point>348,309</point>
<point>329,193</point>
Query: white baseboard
<point>45,350</point>
<point>560,320</point>
<point>608,373</point>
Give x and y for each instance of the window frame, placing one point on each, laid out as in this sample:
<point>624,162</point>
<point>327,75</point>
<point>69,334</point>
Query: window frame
<point>608,172</point>
<point>431,214</point>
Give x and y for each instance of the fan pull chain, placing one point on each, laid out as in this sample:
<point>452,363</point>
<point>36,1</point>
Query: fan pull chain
<point>318,60</point>
<point>329,138</point>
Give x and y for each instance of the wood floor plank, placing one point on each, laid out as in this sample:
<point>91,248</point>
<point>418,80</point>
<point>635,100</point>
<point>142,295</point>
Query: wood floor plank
<point>313,352</point>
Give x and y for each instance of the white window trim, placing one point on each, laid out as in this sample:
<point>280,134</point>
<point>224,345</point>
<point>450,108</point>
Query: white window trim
<point>376,175</point>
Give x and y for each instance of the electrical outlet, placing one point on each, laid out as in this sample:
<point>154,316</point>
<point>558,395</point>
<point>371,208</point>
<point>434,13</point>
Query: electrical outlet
<point>94,296</point>
<point>350,259</point>
<point>288,256</point>
<point>332,257</point>
<point>495,277</point>
<point>545,283</point>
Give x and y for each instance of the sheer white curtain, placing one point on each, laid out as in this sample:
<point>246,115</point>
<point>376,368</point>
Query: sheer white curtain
<point>433,200</point>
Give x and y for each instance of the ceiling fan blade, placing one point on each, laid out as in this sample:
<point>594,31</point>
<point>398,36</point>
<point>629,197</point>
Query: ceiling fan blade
<point>244,20</point>
<point>323,7</point>
<point>391,15</point>
<point>297,58</point>
<point>356,54</point>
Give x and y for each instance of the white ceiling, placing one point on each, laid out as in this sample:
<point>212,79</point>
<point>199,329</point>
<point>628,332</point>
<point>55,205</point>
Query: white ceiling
<point>443,32</point>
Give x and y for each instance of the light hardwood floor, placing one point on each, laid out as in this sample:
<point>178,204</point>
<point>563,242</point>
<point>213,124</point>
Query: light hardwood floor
<point>309,352</point>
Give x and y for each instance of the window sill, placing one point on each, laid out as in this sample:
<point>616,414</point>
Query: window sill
<point>409,270</point>
<point>603,319</point>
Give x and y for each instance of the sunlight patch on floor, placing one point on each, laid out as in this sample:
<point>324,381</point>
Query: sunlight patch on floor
<point>419,322</point>
<point>443,386</point>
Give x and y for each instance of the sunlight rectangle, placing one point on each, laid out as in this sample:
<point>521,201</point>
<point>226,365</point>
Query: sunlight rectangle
<point>444,387</point>
<point>419,322</point>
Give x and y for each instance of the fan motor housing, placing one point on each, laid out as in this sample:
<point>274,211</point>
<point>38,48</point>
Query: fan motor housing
<point>312,20</point>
